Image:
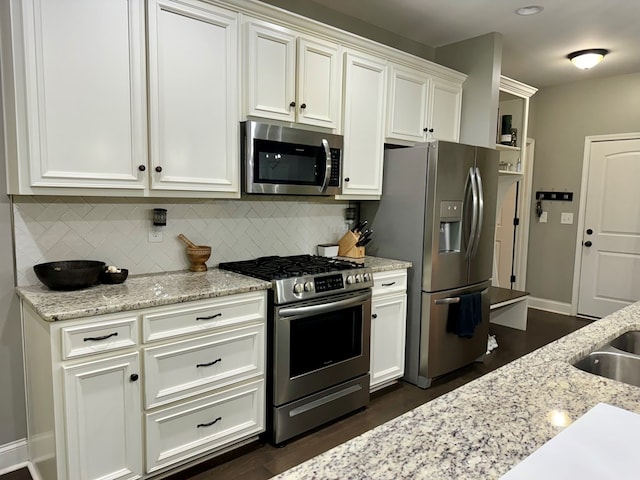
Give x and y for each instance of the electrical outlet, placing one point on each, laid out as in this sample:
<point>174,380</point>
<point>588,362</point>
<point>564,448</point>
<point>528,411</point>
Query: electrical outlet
<point>566,218</point>
<point>155,235</point>
<point>543,218</point>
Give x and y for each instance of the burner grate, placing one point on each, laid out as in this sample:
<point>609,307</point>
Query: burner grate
<point>276,268</point>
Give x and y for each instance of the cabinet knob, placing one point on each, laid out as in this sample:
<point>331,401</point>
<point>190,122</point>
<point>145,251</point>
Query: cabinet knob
<point>142,168</point>
<point>425,129</point>
<point>589,231</point>
<point>588,243</point>
<point>134,377</point>
<point>374,315</point>
<point>292,104</point>
<point>347,179</point>
<point>158,169</point>
<point>303,106</point>
<point>431,130</point>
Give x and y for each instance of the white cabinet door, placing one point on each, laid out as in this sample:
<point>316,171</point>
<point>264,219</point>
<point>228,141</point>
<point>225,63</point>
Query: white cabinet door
<point>319,85</point>
<point>445,107</point>
<point>388,327</point>
<point>193,97</point>
<point>270,72</point>
<point>305,87</point>
<point>84,93</point>
<point>103,421</point>
<point>408,96</point>
<point>364,119</point>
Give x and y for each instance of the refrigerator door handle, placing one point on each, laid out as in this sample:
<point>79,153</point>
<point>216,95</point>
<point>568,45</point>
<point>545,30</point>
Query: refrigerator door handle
<point>476,241</point>
<point>447,301</point>
<point>474,213</point>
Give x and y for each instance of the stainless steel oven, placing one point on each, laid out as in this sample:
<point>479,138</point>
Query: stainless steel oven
<point>284,160</point>
<point>320,361</point>
<point>319,333</point>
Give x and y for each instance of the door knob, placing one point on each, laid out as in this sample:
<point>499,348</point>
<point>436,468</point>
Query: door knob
<point>588,243</point>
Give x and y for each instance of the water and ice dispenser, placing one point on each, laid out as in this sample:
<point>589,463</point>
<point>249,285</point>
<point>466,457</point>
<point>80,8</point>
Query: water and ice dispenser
<point>450,226</point>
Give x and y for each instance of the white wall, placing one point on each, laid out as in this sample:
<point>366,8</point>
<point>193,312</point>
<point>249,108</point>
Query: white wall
<point>560,119</point>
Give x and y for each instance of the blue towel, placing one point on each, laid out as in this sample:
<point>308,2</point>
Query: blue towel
<point>465,315</point>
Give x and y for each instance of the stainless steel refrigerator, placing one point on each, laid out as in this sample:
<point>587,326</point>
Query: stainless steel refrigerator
<point>438,211</point>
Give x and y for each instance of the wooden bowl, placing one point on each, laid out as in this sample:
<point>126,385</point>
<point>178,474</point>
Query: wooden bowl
<point>198,256</point>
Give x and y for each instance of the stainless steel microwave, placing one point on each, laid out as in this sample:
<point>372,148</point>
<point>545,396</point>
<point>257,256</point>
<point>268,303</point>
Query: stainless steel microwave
<point>284,160</point>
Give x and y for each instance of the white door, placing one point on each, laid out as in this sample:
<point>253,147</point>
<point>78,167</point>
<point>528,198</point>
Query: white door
<point>319,85</point>
<point>445,109</point>
<point>388,326</point>
<point>504,247</point>
<point>610,269</point>
<point>85,66</point>
<point>103,419</point>
<point>193,97</point>
<point>364,116</point>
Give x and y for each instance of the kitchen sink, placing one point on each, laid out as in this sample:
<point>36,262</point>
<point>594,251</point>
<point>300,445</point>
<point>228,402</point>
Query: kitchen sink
<point>618,360</point>
<point>627,342</point>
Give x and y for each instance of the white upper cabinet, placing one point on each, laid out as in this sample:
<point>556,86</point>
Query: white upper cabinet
<point>291,77</point>
<point>193,97</point>
<point>364,119</point>
<point>422,106</point>
<point>75,80</point>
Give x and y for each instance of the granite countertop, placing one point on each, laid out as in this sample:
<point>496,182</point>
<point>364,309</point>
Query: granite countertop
<point>143,291</point>
<point>484,428</point>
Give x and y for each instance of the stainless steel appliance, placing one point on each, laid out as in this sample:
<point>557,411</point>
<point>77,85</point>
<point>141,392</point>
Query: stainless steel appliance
<point>438,211</point>
<point>283,160</point>
<point>318,339</point>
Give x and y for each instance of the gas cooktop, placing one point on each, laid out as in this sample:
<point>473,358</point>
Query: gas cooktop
<point>303,277</point>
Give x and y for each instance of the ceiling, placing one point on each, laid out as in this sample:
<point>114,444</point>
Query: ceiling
<point>534,47</point>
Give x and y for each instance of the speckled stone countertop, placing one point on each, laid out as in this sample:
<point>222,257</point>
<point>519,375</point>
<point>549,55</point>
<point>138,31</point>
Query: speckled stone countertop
<point>484,428</point>
<point>136,292</point>
<point>143,291</point>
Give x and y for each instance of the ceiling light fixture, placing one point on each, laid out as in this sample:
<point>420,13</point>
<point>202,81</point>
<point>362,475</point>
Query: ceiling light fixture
<point>585,59</point>
<point>529,10</point>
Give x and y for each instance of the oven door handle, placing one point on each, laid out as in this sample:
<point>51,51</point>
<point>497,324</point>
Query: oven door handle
<point>327,166</point>
<point>324,307</point>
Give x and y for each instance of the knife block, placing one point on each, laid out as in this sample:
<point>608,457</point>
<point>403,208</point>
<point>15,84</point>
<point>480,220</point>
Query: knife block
<point>347,246</point>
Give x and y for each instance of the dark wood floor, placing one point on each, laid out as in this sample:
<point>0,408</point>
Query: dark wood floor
<point>259,460</point>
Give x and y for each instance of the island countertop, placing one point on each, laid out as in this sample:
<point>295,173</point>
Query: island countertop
<point>484,428</point>
<point>152,290</point>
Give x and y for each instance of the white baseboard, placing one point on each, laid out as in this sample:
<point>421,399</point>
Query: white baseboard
<point>13,455</point>
<point>550,305</point>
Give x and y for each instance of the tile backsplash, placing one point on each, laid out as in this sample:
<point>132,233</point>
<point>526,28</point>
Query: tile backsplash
<point>116,230</point>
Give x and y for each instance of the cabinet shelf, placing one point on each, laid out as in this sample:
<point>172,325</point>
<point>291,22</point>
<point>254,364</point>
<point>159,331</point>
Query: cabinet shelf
<point>500,146</point>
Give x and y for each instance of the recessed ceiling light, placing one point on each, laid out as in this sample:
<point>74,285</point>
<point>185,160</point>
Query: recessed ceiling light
<point>529,10</point>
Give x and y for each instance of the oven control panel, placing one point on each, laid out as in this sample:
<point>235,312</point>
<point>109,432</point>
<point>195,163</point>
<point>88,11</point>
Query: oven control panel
<point>310,286</point>
<point>331,282</point>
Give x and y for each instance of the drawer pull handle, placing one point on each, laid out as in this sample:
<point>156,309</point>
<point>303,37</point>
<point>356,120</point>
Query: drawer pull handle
<point>209,318</point>
<point>388,284</point>
<point>210,423</point>
<point>97,339</point>
<point>208,364</point>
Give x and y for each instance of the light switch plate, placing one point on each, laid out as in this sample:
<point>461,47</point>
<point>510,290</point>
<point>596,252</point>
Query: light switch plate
<point>543,218</point>
<point>566,218</point>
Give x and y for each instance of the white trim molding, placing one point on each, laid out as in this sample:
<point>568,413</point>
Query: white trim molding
<point>577,263</point>
<point>13,455</point>
<point>550,305</point>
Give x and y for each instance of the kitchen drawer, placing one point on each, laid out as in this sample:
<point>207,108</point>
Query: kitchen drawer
<point>392,281</point>
<point>203,315</point>
<point>181,369</point>
<point>178,433</point>
<point>100,336</point>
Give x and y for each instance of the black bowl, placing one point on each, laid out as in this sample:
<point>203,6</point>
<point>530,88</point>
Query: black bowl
<point>70,274</point>
<point>115,277</point>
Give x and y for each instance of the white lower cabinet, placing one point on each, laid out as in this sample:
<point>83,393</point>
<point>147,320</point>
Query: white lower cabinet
<point>388,327</point>
<point>203,378</point>
<point>102,405</point>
